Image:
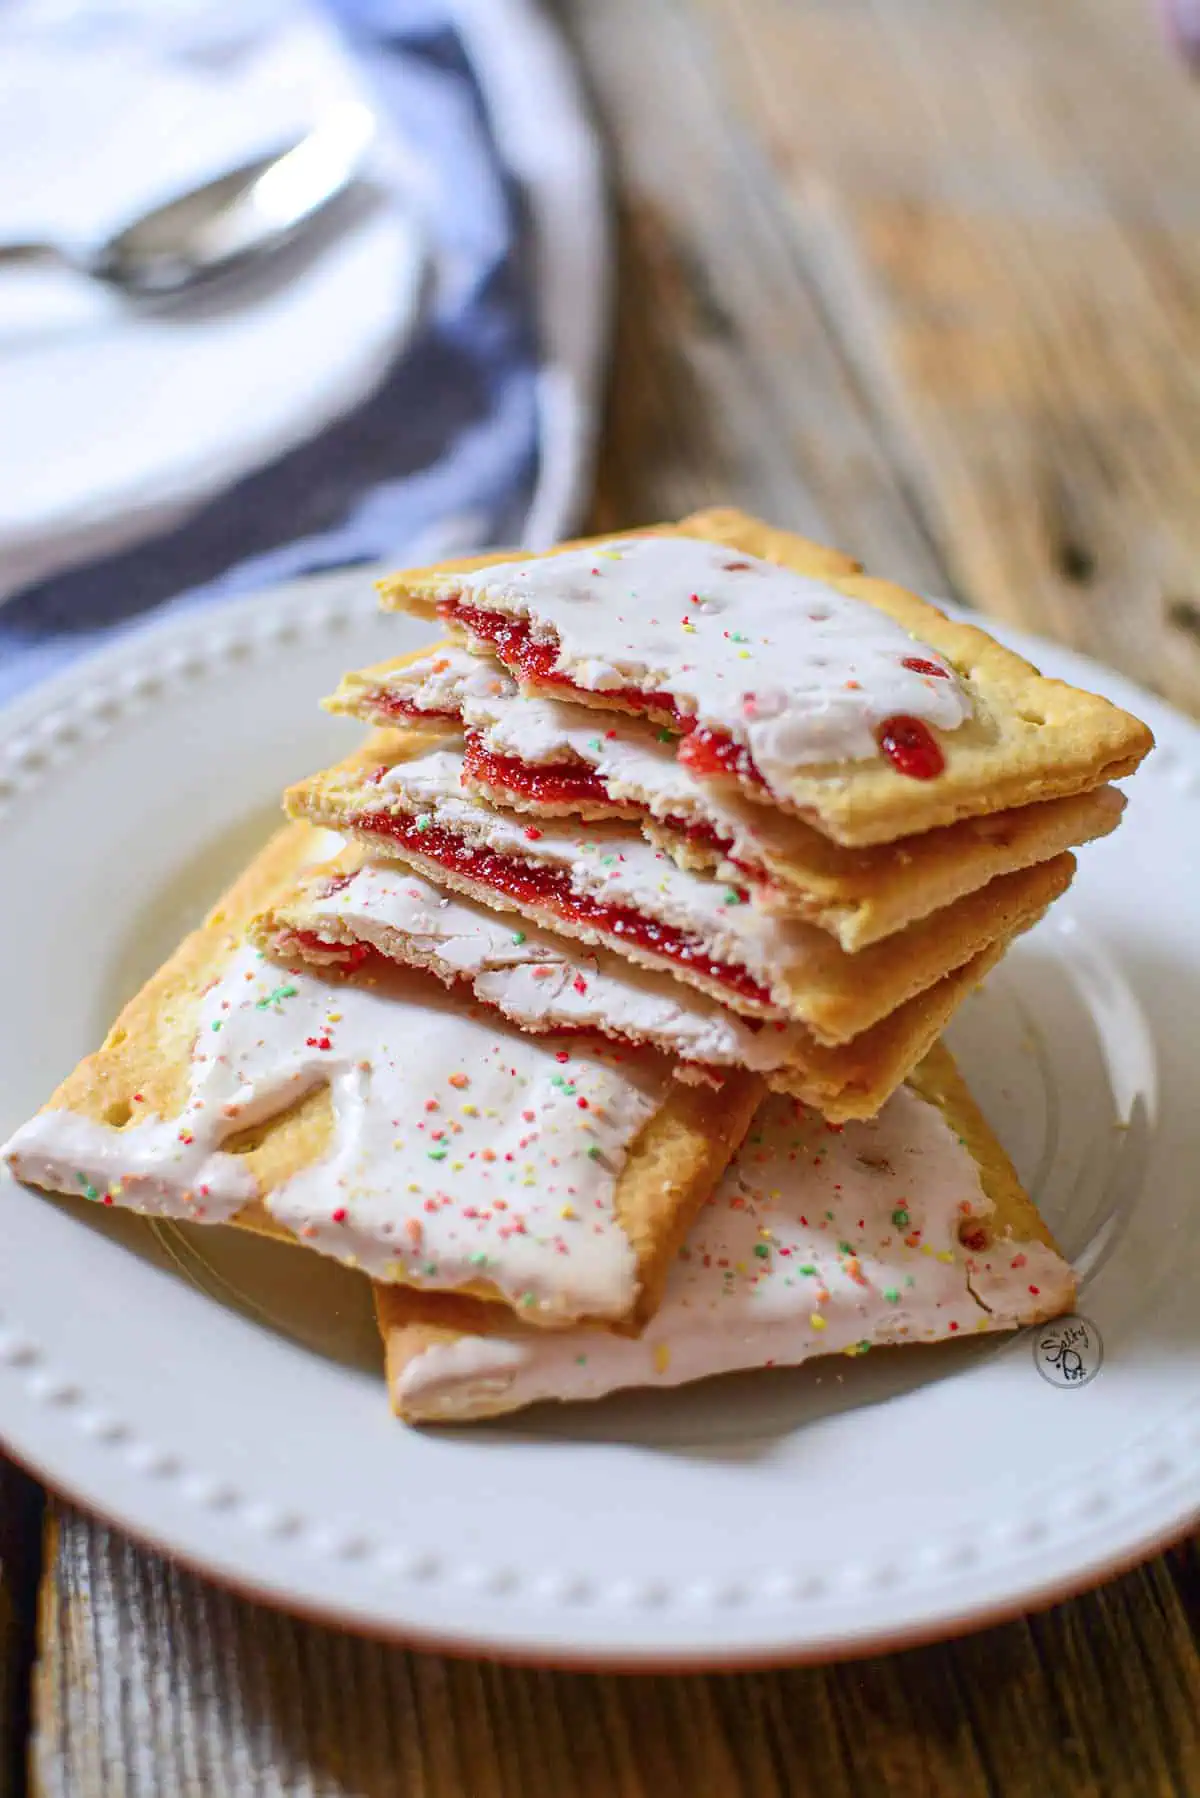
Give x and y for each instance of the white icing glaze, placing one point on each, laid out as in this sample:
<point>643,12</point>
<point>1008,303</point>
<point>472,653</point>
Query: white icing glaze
<point>614,863</point>
<point>793,669</point>
<point>816,1241</point>
<point>460,1150</point>
<point>535,979</point>
<point>446,680</point>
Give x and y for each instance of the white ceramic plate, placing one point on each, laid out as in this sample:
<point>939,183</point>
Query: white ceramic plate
<point>221,1397</point>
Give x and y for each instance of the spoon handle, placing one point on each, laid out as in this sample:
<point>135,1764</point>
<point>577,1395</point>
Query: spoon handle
<point>29,252</point>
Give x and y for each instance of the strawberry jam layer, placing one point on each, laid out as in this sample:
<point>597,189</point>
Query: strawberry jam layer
<point>550,783</point>
<point>710,753</point>
<point>709,837</point>
<point>533,883</point>
<point>393,706</point>
<point>515,645</point>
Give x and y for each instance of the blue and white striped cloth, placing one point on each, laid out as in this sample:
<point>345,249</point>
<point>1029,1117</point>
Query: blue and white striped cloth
<point>480,433</point>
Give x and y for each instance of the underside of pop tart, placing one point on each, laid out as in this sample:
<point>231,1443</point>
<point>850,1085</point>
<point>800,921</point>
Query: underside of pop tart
<point>378,1121</point>
<point>1024,737</point>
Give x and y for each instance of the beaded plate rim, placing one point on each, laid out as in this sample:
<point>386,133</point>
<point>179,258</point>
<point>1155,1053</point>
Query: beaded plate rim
<point>1126,1512</point>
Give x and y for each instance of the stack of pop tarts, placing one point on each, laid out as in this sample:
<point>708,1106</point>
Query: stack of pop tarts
<point>604,1034</point>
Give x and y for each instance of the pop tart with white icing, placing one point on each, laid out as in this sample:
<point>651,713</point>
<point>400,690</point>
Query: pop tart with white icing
<point>388,1123</point>
<point>604,884</point>
<point>910,1229</point>
<point>344,910</point>
<point>554,759</point>
<point>785,672</point>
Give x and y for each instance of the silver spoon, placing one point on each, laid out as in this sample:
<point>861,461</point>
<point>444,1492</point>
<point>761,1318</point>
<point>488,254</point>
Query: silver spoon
<point>241,215</point>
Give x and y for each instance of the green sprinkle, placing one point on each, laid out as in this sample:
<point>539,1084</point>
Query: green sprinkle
<point>892,1295</point>
<point>518,936</point>
<point>607,861</point>
<point>425,821</point>
<point>808,1268</point>
<point>900,1218</point>
<point>437,1154</point>
<point>595,743</point>
<point>594,1152</point>
<point>479,1259</point>
<point>581,1360</point>
<point>431,1270</point>
<point>761,1250</point>
<point>845,1248</point>
<point>733,897</point>
<point>665,736</point>
<point>89,1191</point>
<point>529,1299</point>
<point>829,1216</point>
<point>738,637</point>
<point>216,1024</point>
<point>862,1348</point>
<point>281,992</point>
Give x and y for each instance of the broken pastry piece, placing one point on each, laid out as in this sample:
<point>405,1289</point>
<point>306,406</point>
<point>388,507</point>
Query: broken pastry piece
<point>785,672</point>
<point>338,915</point>
<point>555,759</point>
<point>910,1229</point>
<point>380,1120</point>
<point>605,885</point>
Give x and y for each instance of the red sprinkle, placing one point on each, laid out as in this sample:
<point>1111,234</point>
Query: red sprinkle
<point>339,1216</point>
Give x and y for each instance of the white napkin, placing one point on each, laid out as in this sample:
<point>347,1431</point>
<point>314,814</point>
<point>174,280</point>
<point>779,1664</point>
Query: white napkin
<point>114,422</point>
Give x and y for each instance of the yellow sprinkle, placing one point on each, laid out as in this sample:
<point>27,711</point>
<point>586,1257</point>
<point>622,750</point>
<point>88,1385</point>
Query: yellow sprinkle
<point>945,1255</point>
<point>458,1166</point>
<point>394,1270</point>
<point>335,1017</point>
<point>817,1321</point>
<point>568,1211</point>
<point>662,1358</point>
<point>982,1324</point>
<point>763,1231</point>
<point>470,1111</point>
<point>413,1187</point>
<point>927,1248</point>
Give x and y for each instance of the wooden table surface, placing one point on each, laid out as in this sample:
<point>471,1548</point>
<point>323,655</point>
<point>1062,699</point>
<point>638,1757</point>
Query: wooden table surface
<point>920,278</point>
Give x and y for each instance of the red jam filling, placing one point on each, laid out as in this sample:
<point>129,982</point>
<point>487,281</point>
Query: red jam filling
<point>396,707</point>
<point>535,884</point>
<point>710,753</point>
<point>547,782</point>
<point>911,748</point>
<point>907,742</point>
<point>515,645</point>
<point>349,955</point>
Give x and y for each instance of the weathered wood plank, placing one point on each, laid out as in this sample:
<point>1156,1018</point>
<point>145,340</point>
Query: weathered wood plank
<point>1007,245</point>
<point>153,1681</point>
<point>20,1566</point>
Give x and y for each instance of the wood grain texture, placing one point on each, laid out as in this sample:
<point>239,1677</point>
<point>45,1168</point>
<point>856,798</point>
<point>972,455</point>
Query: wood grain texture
<point>154,1682</point>
<point>922,278</point>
